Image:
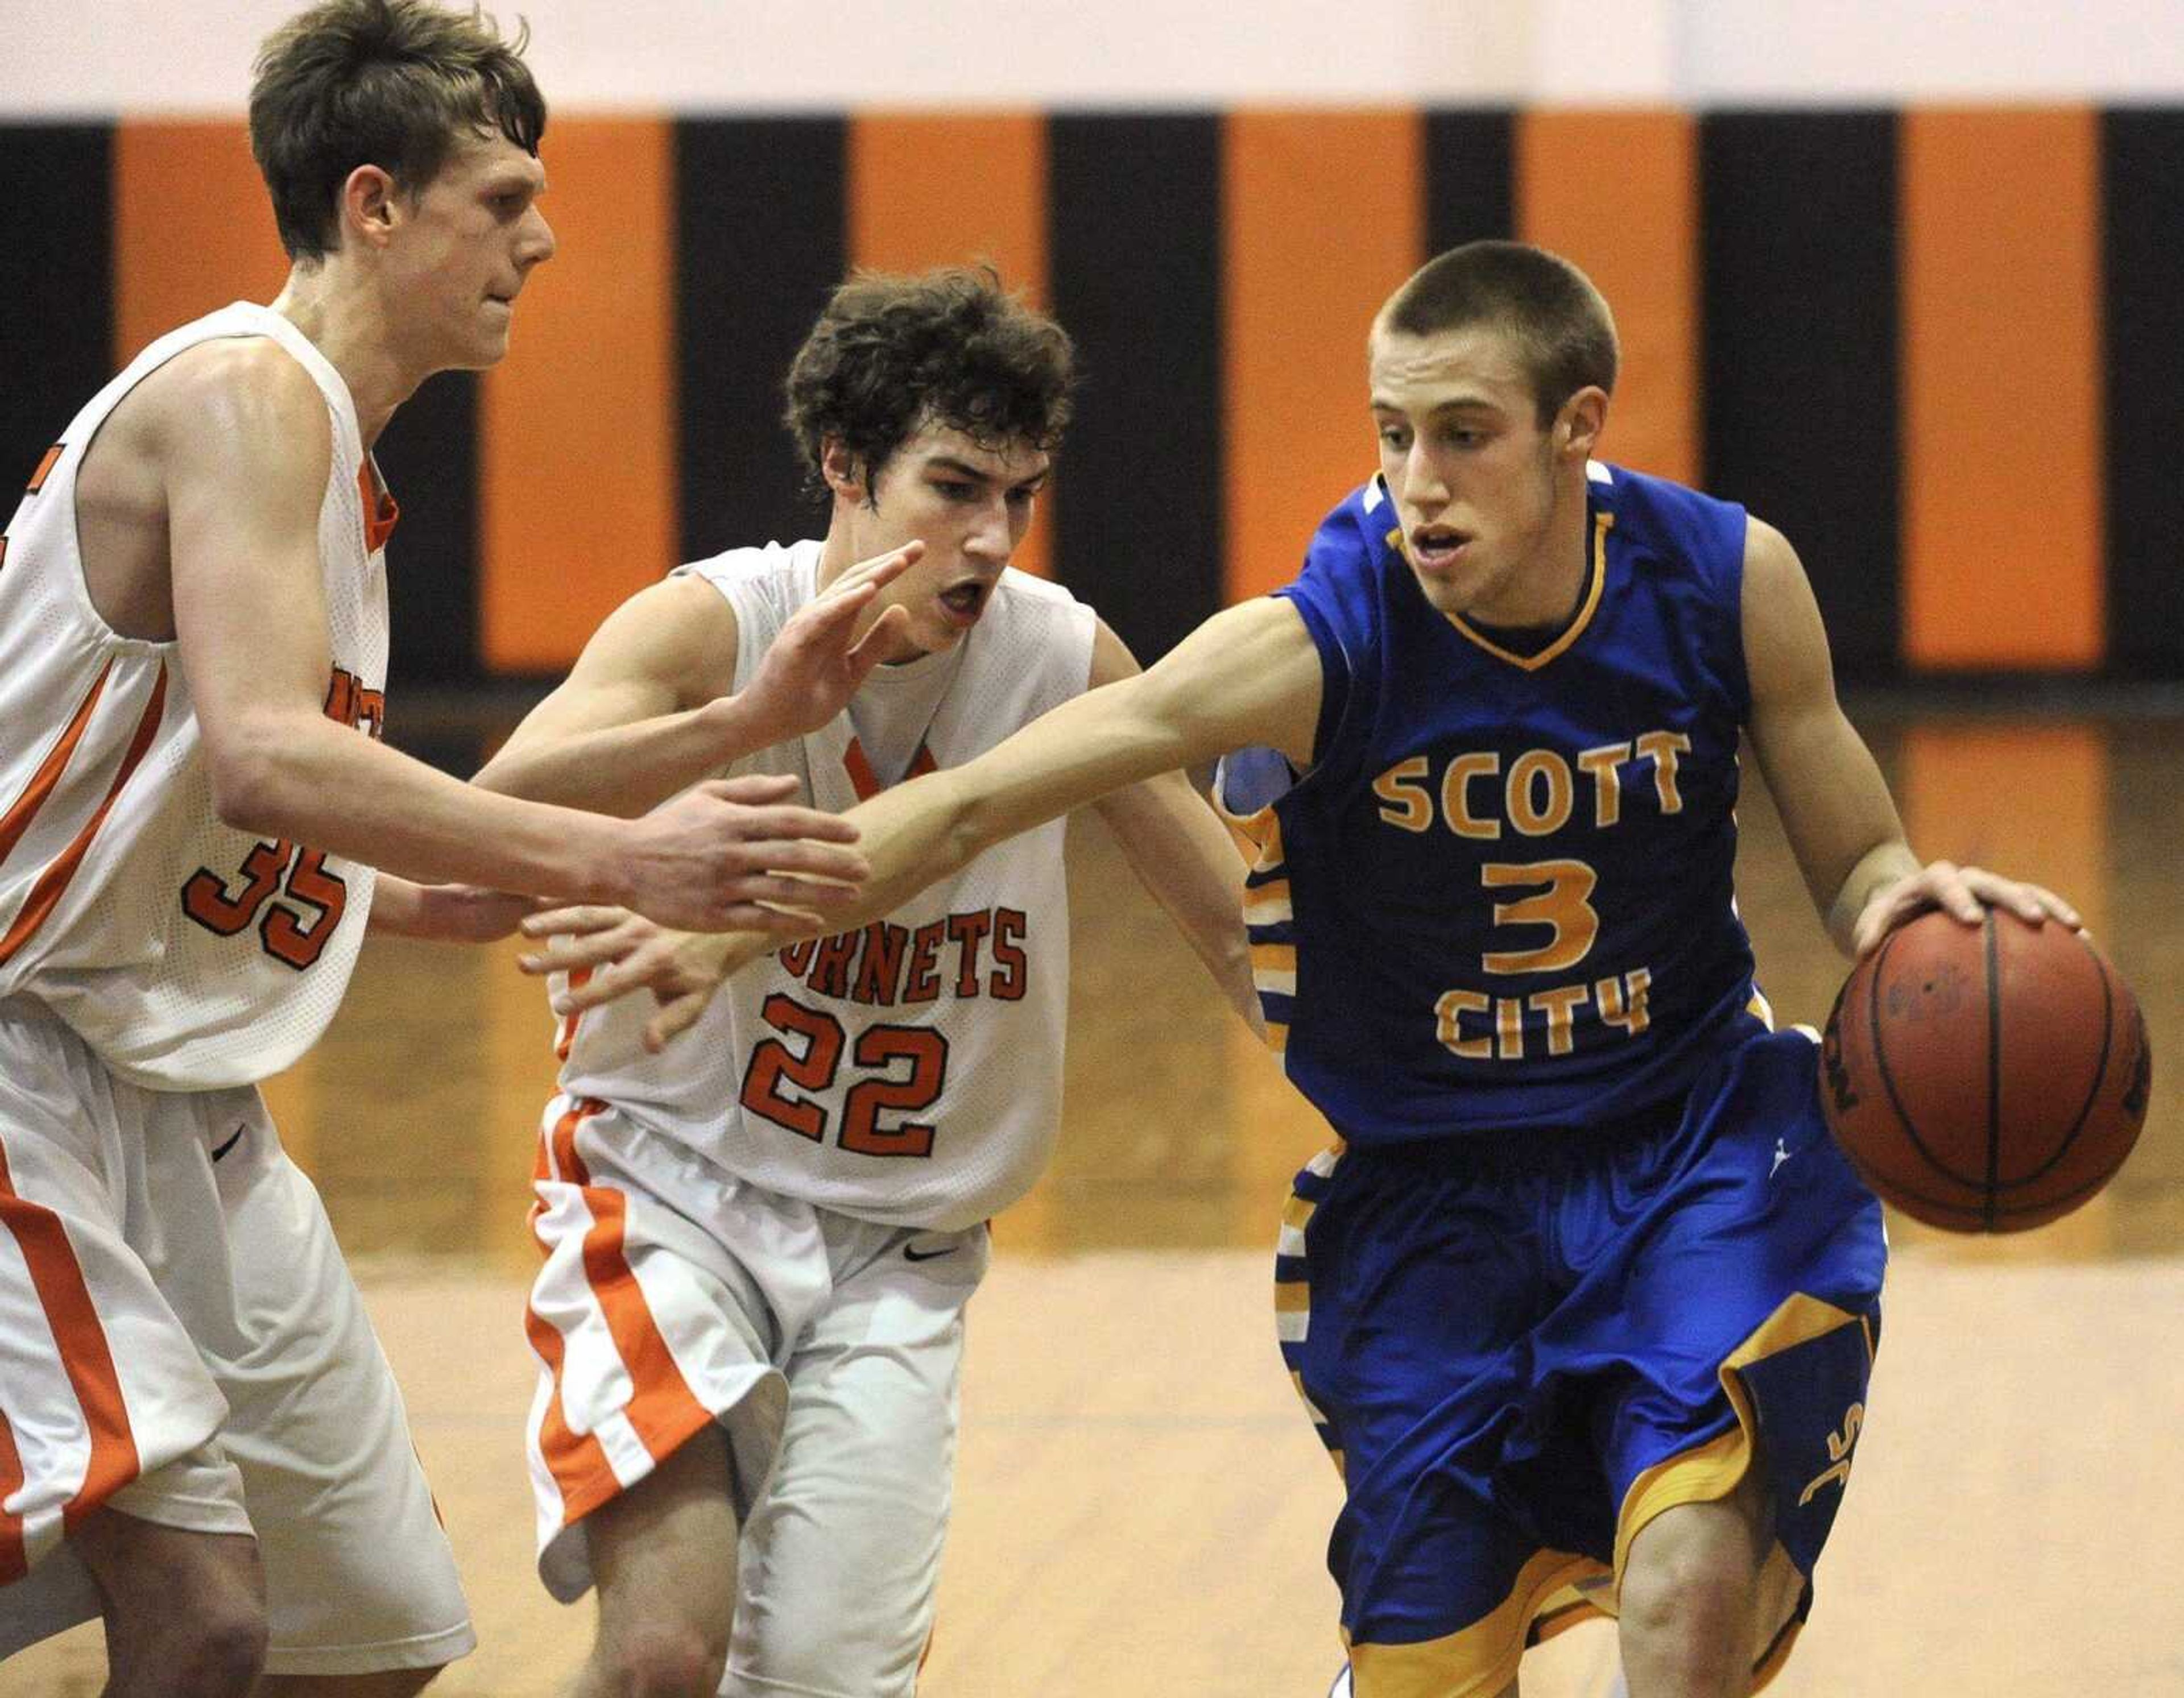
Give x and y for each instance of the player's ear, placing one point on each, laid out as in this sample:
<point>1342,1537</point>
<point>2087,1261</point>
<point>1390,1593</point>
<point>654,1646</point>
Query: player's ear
<point>1579,424</point>
<point>844,472</point>
<point>369,204</point>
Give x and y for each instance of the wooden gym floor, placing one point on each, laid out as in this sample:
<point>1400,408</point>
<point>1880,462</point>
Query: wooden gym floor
<point>1140,1506</point>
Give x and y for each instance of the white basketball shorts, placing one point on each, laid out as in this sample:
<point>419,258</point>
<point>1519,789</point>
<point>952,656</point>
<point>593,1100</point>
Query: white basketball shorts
<point>180,1340</point>
<point>675,1296</point>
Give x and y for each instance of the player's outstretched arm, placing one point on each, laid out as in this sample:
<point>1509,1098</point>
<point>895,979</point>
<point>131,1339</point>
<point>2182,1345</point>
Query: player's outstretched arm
<point>647,710</point>
<point>242,445</point>
<point>1183,855</point>
<point>1836,811</point>
<point>1248,676</point>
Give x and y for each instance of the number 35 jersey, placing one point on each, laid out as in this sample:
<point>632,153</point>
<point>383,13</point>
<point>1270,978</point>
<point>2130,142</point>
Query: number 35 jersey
<point>187,954</point>
<point>1501,897</point>
<point>909,1072</point>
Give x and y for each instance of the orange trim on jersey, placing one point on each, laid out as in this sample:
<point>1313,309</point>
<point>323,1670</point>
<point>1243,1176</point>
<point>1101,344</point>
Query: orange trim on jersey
<point>86,1355</point>
<point>25,809</point>
<point>45,469</point>
<point>381,509</point>
<point>14,1553</point>
<point>45,894</point>
<point>866,782</point>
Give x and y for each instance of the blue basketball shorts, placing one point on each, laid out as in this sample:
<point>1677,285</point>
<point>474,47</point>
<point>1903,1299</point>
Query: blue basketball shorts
<point>1520,1348</point>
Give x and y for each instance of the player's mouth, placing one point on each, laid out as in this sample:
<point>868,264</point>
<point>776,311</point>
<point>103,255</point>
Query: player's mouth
<point>963,603</point>
<point>1437,548</point>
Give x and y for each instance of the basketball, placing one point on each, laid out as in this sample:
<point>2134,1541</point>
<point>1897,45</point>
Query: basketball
<point>1986,1078</point>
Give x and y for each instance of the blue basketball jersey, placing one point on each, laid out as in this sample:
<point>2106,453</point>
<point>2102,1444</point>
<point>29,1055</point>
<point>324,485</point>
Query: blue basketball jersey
<point>1501,897</point>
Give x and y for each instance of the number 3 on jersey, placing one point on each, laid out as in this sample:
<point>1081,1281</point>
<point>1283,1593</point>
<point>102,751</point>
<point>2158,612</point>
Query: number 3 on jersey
<point>775,1067</point>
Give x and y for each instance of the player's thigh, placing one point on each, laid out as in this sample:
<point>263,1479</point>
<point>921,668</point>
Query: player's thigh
<point>105,1398</point>
<point>359,1578</point>
<point>842,1554</point>
<point>663,1552</point>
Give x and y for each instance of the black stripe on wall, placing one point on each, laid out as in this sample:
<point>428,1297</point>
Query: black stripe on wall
<point>1134,215</point>
<point>760,240</point>
<point>2143,315</point>
<point>429,456</point>
<point>1470,178</point>
<point>1798,292</point>
<point>56,287</point>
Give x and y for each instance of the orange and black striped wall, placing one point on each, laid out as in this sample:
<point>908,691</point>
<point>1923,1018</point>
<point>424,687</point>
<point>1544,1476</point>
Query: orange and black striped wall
<point>1938,347</point>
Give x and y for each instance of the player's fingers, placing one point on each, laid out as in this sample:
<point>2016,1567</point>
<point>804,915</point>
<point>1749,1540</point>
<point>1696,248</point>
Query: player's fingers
<point>1946,888</point>
<point>2028,902</point>
<point>673,1019</point>
<point>780,908</point>
<point>615,980</point>
<point>821,863</point>
<point>762,827</point>
<point>584,918</point>
<point>566,954</point>
<point>752,790</point>
<point>872,646</point>
<point>879,571</point>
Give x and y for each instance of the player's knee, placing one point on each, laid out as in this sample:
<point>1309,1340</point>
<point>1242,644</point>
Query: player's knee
<point>660,1660</point>
<point>1688,1612</point>
<point>216,1648</point>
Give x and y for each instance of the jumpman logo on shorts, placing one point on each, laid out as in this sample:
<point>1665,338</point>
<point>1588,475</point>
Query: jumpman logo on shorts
<point>1781,1155</point>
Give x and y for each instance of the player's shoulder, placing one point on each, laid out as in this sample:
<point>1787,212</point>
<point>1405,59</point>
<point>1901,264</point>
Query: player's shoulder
<point>1662,513</point>
<point>779,577</point>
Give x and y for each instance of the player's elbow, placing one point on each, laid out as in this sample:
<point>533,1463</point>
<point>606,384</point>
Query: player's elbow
<point>255,779</point>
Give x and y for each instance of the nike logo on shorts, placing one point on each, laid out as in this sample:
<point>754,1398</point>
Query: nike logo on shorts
<point>231,1143</point>
<point>911,1253</point>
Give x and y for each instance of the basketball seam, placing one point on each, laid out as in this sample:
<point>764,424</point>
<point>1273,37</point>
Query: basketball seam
<point>1992,942</point>
<point>2092,1094</point>
<point>1888,1078</point>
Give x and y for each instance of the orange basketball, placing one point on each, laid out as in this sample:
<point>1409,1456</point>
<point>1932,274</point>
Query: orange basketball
<point>1986,1078</point>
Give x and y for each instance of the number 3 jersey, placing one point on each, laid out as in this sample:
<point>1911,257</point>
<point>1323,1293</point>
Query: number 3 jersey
<point>1501,898</point>
<point>909,1072</point>
<point>187,955</point>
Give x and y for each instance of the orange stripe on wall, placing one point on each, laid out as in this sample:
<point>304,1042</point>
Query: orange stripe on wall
<point>1323,217</point>
<point>2028,800</point>
<point>1616,193</point>
<point>576,486</point>
<point>954,191</point>
<point>192,228</point>
<point>2002,439</point>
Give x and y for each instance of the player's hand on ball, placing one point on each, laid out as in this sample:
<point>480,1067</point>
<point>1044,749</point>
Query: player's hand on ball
<point>1962,892</point>
<point>733,855</point>
<point>622,953</point>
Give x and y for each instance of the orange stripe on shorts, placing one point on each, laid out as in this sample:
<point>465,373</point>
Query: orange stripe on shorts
<point>14,1556</point>
<point>85,1356</point>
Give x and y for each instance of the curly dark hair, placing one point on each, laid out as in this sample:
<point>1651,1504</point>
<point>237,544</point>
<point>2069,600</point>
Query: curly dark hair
<point>892,355</point>
<point>391,83</point>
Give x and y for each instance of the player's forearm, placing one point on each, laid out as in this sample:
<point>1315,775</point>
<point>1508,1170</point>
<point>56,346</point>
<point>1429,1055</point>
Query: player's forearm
<point>625,770</point>
<point>1186,860</point>
<point>320,783</point>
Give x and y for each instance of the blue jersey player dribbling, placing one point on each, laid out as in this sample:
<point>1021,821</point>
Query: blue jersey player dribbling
<point>1582,1299</point>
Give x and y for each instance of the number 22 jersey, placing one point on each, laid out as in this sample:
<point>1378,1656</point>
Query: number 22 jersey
<point>1503,896</point>
<point>187,954</point>
<point>909,1072</point>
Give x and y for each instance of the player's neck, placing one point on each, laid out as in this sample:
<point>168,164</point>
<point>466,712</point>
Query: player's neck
<point>1545,588</point>
<point>345,324</point>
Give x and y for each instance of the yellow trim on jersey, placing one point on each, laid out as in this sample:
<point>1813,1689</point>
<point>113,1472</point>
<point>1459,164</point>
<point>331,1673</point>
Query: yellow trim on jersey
<point>1596,584</point>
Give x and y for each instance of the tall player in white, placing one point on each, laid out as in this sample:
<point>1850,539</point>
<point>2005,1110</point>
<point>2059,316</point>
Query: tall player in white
<point>759,1245</point>
<point>198,1434</point>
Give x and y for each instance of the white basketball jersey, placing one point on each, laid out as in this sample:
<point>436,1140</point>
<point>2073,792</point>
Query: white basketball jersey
<point>909,1072</point>
<point>187,955</point>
